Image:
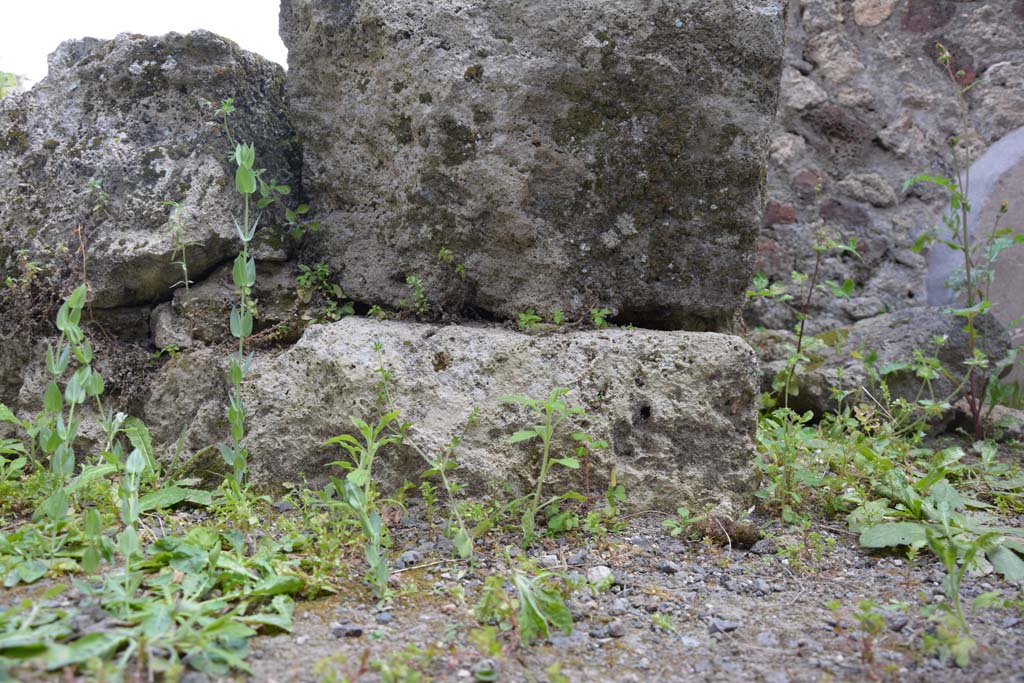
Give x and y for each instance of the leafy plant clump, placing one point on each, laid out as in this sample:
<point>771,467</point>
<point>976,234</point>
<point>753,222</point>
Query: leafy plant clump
<point>553,412</point>
<point>327,299</point>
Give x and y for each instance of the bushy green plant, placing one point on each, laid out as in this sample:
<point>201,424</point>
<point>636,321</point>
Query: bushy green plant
<point>175,602</point>
<point>599,317</point>
<point>313,285</point>
<point>528,320</point>
<point>553,412</point>
<point>532,612</point>
<point>357,491</point>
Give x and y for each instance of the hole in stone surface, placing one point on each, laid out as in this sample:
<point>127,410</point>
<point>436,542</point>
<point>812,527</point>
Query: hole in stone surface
<point>645,413</point>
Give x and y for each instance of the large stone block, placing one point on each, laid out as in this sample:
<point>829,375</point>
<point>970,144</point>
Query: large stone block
<point>569,154</point>
<point>678,409</point>
<point>90,155</point>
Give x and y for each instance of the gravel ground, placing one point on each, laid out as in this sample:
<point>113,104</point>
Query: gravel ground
<point>754,614</point>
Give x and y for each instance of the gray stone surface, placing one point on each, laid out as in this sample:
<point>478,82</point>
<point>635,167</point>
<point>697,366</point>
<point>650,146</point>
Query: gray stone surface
<point>135,114</point>
<point>571,154</point>
<point>677,408</point>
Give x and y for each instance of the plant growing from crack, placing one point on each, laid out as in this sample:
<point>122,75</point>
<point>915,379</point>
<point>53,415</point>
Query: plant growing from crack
<point>243,275</point>
<point>179,257</point>
<point>418,304</point>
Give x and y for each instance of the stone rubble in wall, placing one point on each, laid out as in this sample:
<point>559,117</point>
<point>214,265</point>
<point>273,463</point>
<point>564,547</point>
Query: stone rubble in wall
<point>865,106</point>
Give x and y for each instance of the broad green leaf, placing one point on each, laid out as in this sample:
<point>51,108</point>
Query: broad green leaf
<point>277,585</point>
<point>30,571</point>
<point>135,464</point>
<point>245,180</point>
<point>942,492</point>
<point>53,400</point>
<point>523,435</point>
<point>166,497</point>
<point>138,434</point>
<point>238,274</point>
<point>571,463</point>
<point>892,534</point>
<point>90,474</point>
<point>89,646</point>
<point>463,544</point>
<point>1006,562</point>
<point>128,542</point>
<point>7,416</point>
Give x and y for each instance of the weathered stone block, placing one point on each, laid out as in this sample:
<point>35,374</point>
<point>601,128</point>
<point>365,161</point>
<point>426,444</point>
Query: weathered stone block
<point>570,154</point>
<point>118,127</point>
<point>677,408</point>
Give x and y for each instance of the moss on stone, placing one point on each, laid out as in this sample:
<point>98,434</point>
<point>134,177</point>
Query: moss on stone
<point>458,142</point>
<point>401,128</point>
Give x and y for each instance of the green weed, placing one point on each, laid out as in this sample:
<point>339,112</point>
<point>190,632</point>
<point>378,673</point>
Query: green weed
<point>314,287</point>
<point>176,228</point>
<point>553,411</point>
<point>418,305</point>
<point>980,384</point>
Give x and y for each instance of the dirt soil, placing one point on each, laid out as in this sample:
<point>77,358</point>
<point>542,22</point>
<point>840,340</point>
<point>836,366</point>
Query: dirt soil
<point>755,614</point>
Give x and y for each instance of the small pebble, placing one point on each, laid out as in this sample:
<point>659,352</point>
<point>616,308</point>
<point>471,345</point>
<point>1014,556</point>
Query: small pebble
<point>668,567</point>
<point>339,630</point>
<point>618,607</point>
<point>599,574</point>
<point>722,626</point>
<point>577,559</point>
<point>548,561</point>
<point>384,618</point>
<point>408,559</point>
<point>896,621</point>
<point>484,670</point>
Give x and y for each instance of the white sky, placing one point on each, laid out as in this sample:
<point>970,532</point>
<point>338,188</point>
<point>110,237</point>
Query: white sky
<point>32,29</point>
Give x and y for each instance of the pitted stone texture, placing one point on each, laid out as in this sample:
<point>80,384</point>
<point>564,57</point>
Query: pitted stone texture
<point>571,154</point>
<point>678,409</point>
<point>136,115</point>
<point>872,12</point>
